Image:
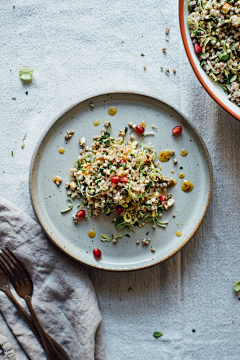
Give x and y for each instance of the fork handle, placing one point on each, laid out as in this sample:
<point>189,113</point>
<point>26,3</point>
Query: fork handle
<point>30,323</point>
<point>49,348</point>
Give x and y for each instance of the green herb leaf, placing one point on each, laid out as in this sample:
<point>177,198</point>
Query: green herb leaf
<point>229,78</point>
<point>129,289</point>
<point>147,233</point>
<point>126,129</point>
<point>25,74</point>
<point>149,184</point>
<point>23,145</point>
<point>236,286</point>
<point>14,98</point>
<point>12,153</point>
<point>107,135</point>
<point>157,334</point>
<point>127,235</point>
<point>223,57</point>
<point>142,55</point>
<point>123,164</point>
<point>139,195</point>
<point>107,142</point>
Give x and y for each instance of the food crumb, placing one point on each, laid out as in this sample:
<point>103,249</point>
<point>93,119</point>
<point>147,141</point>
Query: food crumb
<point>146,242</point>
<point>91,105</point>
<point>137,242</point>
<point>174,71</point>
<point>153,249</point>
<point>193,330</point>
<point>69,134</point>
<point>145,67</point>
<point>174,215</point>
<point>167,30</point>
<point>167,70</point>
<point>164,50</point>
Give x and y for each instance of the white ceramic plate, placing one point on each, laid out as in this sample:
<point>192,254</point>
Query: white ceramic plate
<point>210,86</point>
<point>48,199</point>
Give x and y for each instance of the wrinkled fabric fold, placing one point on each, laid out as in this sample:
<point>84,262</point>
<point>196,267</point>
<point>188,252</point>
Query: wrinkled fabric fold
<point>64,297</point>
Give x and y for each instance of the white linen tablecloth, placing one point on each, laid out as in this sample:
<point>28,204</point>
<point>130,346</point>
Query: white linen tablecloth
<point>80,48</point>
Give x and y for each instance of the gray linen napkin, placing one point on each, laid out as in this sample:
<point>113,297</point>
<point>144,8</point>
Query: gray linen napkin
<point>64,297</point>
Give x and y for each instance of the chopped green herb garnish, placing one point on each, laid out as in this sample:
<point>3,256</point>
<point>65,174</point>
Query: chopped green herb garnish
<point>147,233</point>
<point>126,129</point>
<point>14,98</point>
<point>70,206</point>
<point>25,74</point>
<point>127,235</point>
<point>104,238</point>
<point>81,203</point>
<point>23,145</point>
<point>142,55</point>
<point>157,334</point>
<point>129,289</point>
<point>107,142</point>
<point>12,153</point>
<point>236,286</point>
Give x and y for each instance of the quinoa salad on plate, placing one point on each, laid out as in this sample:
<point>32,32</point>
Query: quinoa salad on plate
<point>120,177</point>
<point>215,32</point>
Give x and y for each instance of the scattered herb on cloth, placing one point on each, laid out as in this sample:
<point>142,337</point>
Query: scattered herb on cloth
<point>25,74</point>
<point>157,334</point>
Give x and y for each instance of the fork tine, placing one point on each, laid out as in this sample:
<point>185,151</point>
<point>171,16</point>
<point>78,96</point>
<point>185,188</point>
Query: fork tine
<point>18,263</point>
<point>15,271</point>
<point>13,261</point>
<point>7,269</point>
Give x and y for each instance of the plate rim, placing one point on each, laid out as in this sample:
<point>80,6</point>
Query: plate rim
<point>89,99</point>
<point>193,64</point>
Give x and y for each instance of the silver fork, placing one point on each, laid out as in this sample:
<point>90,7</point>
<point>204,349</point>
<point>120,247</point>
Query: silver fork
<point>4,286</point>
<point>23,285</point>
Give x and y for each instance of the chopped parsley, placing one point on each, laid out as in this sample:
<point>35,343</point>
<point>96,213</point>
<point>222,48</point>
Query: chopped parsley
<point>157,334</point>
<point>142,55</point>
<point>23,145</point>
<point>127,235</point>
<point>12,153</point>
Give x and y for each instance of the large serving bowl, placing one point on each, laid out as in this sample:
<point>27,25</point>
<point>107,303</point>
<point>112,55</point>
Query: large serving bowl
<point>210,86</point>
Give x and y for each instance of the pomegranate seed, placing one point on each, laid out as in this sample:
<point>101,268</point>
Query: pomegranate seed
<point>123,179</point>
<point>114,179</point>
<point>140,129</point>
<point>162,198</point>
<point>97,253</point>
<point>197,48</point>
<point>119,209</point>
<point>177,130</point>
<point>80,214</point>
